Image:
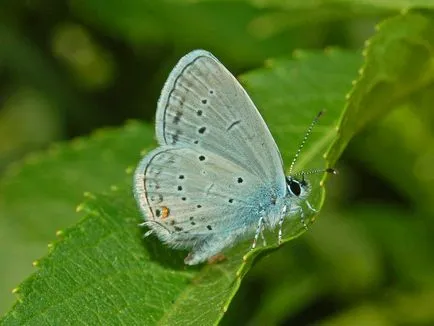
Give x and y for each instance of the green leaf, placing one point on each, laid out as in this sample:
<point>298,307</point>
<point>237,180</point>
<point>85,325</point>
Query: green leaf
<point>399,63</point>
<point>39,195</point>
<point>101,271</point>
<point>63,174</point>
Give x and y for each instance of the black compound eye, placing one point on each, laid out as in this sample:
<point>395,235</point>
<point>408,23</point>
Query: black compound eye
<point>295,188</point>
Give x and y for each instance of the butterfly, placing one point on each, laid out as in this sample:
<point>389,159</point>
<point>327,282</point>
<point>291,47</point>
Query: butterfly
<point>217,176</point>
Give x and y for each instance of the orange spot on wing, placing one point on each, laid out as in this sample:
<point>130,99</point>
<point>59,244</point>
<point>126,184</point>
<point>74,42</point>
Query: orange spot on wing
<point>216,258</point>
<point>164,212</point>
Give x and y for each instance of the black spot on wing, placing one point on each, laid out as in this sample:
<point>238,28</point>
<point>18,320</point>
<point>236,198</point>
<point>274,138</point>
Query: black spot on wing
<point>177,117</point>
<point>233,124</point>
<point>175,136</point>
<point>176,84</point>
<point>201,130</point>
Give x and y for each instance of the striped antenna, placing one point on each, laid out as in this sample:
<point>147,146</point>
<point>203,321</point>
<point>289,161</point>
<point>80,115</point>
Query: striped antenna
<point>306,136</point>
<point>328,170</point>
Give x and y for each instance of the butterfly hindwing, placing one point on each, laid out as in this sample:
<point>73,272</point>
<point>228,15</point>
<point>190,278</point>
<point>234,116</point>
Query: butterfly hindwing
<point>187,194</point>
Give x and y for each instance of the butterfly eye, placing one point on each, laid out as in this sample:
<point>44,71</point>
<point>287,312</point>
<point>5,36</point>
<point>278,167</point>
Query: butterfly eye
<point>295,188</point>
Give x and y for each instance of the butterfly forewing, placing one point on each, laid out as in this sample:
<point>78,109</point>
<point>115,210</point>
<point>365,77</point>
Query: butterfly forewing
<point>203,105</point>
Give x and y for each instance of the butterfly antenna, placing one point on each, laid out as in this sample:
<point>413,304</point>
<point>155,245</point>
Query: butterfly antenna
<point>328,170</point>
<point>306,136</point>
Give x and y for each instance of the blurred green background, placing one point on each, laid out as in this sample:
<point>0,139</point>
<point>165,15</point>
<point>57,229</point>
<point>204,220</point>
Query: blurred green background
<point>68,68</point>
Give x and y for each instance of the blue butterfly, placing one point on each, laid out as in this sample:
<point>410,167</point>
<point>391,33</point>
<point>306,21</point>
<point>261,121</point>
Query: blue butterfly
<point>218,175</point>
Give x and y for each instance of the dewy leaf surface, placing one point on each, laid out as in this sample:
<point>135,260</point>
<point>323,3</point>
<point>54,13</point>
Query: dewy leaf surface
<point>102,271</point>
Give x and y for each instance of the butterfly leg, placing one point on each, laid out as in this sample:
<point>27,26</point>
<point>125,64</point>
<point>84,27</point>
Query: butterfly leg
<point>302,218</point>
<point>279,236</point>
<point>258,230</point>
<point>148,233</point>
<point>310,207</point>
<point>282,217</point>
<point>264,242</point>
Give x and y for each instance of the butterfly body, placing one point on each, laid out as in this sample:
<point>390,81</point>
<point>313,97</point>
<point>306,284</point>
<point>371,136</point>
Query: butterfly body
<point>217,176</point>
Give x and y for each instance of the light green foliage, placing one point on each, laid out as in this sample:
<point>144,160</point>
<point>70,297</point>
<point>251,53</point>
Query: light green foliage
<point>100,270</point>
<point>107,245</point>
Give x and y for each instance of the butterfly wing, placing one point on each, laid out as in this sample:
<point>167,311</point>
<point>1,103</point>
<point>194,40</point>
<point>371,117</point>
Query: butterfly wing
<point>202,105</point>
<point>192,198</point>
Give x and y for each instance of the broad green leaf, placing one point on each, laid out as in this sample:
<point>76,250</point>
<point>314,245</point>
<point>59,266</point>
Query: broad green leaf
<point>95,250</point>
<point>399,63</point>
<point>39,196</point>
<point>101,271</point>
<point>63,174</point>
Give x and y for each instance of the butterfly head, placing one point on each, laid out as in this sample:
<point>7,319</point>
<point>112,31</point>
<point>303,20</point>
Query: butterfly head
<point>297,187</point>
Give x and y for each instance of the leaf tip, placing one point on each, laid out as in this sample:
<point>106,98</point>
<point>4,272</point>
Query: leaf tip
<point>35,263</point>
<point>377,27</point>
<point>15,290</point>
<point>88,195</point>
<point>79,208</point>
<point>59,233</point>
